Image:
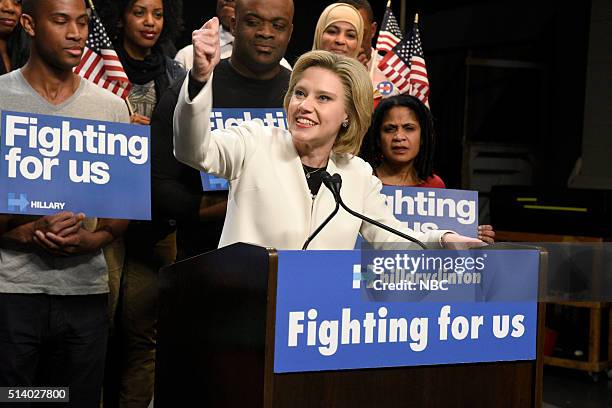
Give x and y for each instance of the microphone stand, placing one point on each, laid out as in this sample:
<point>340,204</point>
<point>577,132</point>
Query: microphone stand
<point>334,183</point>
<point>324,223</point>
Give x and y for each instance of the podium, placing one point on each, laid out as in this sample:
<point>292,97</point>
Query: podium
<point>216,335</point>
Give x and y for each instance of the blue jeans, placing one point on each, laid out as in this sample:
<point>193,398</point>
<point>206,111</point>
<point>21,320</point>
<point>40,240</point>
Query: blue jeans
<point>57,341</point>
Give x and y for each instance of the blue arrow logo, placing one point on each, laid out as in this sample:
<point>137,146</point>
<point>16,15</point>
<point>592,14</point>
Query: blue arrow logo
<point>17,203</point>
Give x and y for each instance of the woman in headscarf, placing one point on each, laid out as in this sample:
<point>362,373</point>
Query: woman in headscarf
<point>339,30</point>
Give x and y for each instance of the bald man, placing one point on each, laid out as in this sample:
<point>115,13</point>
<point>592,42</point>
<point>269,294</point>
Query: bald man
<point>227,18</point>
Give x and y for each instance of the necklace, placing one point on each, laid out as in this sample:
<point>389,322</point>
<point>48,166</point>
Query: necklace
<point>309,173</point>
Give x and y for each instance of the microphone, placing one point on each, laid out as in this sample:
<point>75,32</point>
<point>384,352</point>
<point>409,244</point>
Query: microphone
<point>334,183</point>
<point>324,223</point>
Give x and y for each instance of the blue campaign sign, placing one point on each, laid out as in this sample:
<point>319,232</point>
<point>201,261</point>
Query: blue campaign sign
<point>52,163</point>
<point>224,118</point>
<point>424,209</point>
<point>330,315</point>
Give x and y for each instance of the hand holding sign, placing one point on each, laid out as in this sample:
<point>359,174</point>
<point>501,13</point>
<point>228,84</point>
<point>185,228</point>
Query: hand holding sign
<point>62,224</point>
<point>138,119</point>
<point>81,241</point>
<point>460,242</point>
<point>206,50</point>
<point>486,233</point>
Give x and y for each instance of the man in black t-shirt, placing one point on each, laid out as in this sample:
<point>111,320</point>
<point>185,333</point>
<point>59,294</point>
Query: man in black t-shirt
<point>251,78</point>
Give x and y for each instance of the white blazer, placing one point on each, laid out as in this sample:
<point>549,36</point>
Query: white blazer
<point>269,200</point>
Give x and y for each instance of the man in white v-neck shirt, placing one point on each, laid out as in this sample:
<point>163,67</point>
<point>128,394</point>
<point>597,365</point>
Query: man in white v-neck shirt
<point>53,276</point>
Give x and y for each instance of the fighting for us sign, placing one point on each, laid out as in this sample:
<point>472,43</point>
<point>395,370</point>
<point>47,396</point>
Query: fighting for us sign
<point>226,118</point>
<point>51,163</point>
<point>425,209</point>
<point>363,309</point>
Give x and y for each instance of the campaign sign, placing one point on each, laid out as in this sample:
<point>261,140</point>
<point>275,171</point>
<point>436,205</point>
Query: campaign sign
<point>52,163</point>
<point>425,209</point>
<point>224,118</point>
<point>329,318</point>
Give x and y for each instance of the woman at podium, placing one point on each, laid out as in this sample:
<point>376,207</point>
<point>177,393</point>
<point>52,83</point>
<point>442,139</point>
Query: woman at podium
<point>276,196</point>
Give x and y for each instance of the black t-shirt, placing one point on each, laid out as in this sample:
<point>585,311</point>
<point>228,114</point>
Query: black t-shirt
<point>177,188</point>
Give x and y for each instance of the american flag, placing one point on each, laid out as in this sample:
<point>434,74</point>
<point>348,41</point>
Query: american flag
<point>390,33</point>
<point>419,83</point>
<point>405,67</point>
<point>100,63</point>
<point>396,65</point>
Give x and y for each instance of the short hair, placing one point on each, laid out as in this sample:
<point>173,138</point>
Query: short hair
<point>29,6</point>
<point>358,95</point>
<point>359,5</point>
<point>423,162</point>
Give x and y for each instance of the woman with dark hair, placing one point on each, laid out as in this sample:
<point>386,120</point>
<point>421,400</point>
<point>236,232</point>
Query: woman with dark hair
<point>13,46</point>
<point>400,147</point>
<point>402,142</point>
<point>144,32</point>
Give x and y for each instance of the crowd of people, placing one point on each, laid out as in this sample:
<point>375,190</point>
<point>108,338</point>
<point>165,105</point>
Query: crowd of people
<point>64,277</point>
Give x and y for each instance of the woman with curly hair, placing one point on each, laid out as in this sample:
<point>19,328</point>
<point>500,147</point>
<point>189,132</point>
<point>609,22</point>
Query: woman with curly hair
<point>400,147</point>
<point>13,48</point>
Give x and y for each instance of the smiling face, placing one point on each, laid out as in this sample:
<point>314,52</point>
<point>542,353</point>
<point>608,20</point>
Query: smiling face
<point>340,37</point>
<point>400,135</point>
<point>10,11</point>
<point>316,109</point>
<point>143,22</point>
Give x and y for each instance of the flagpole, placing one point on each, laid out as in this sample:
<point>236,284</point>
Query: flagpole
<point>129,106</point>
<point>127,102</point>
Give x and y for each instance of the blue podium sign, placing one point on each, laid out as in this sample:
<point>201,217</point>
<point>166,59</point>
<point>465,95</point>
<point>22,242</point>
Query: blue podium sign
<point>50,164</point>
<point>424,209</point>
<point>224,118</point>
<point>330,315</point>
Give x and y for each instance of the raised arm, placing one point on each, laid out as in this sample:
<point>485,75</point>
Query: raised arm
<point>222,152</point>
<point>191,120</point>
